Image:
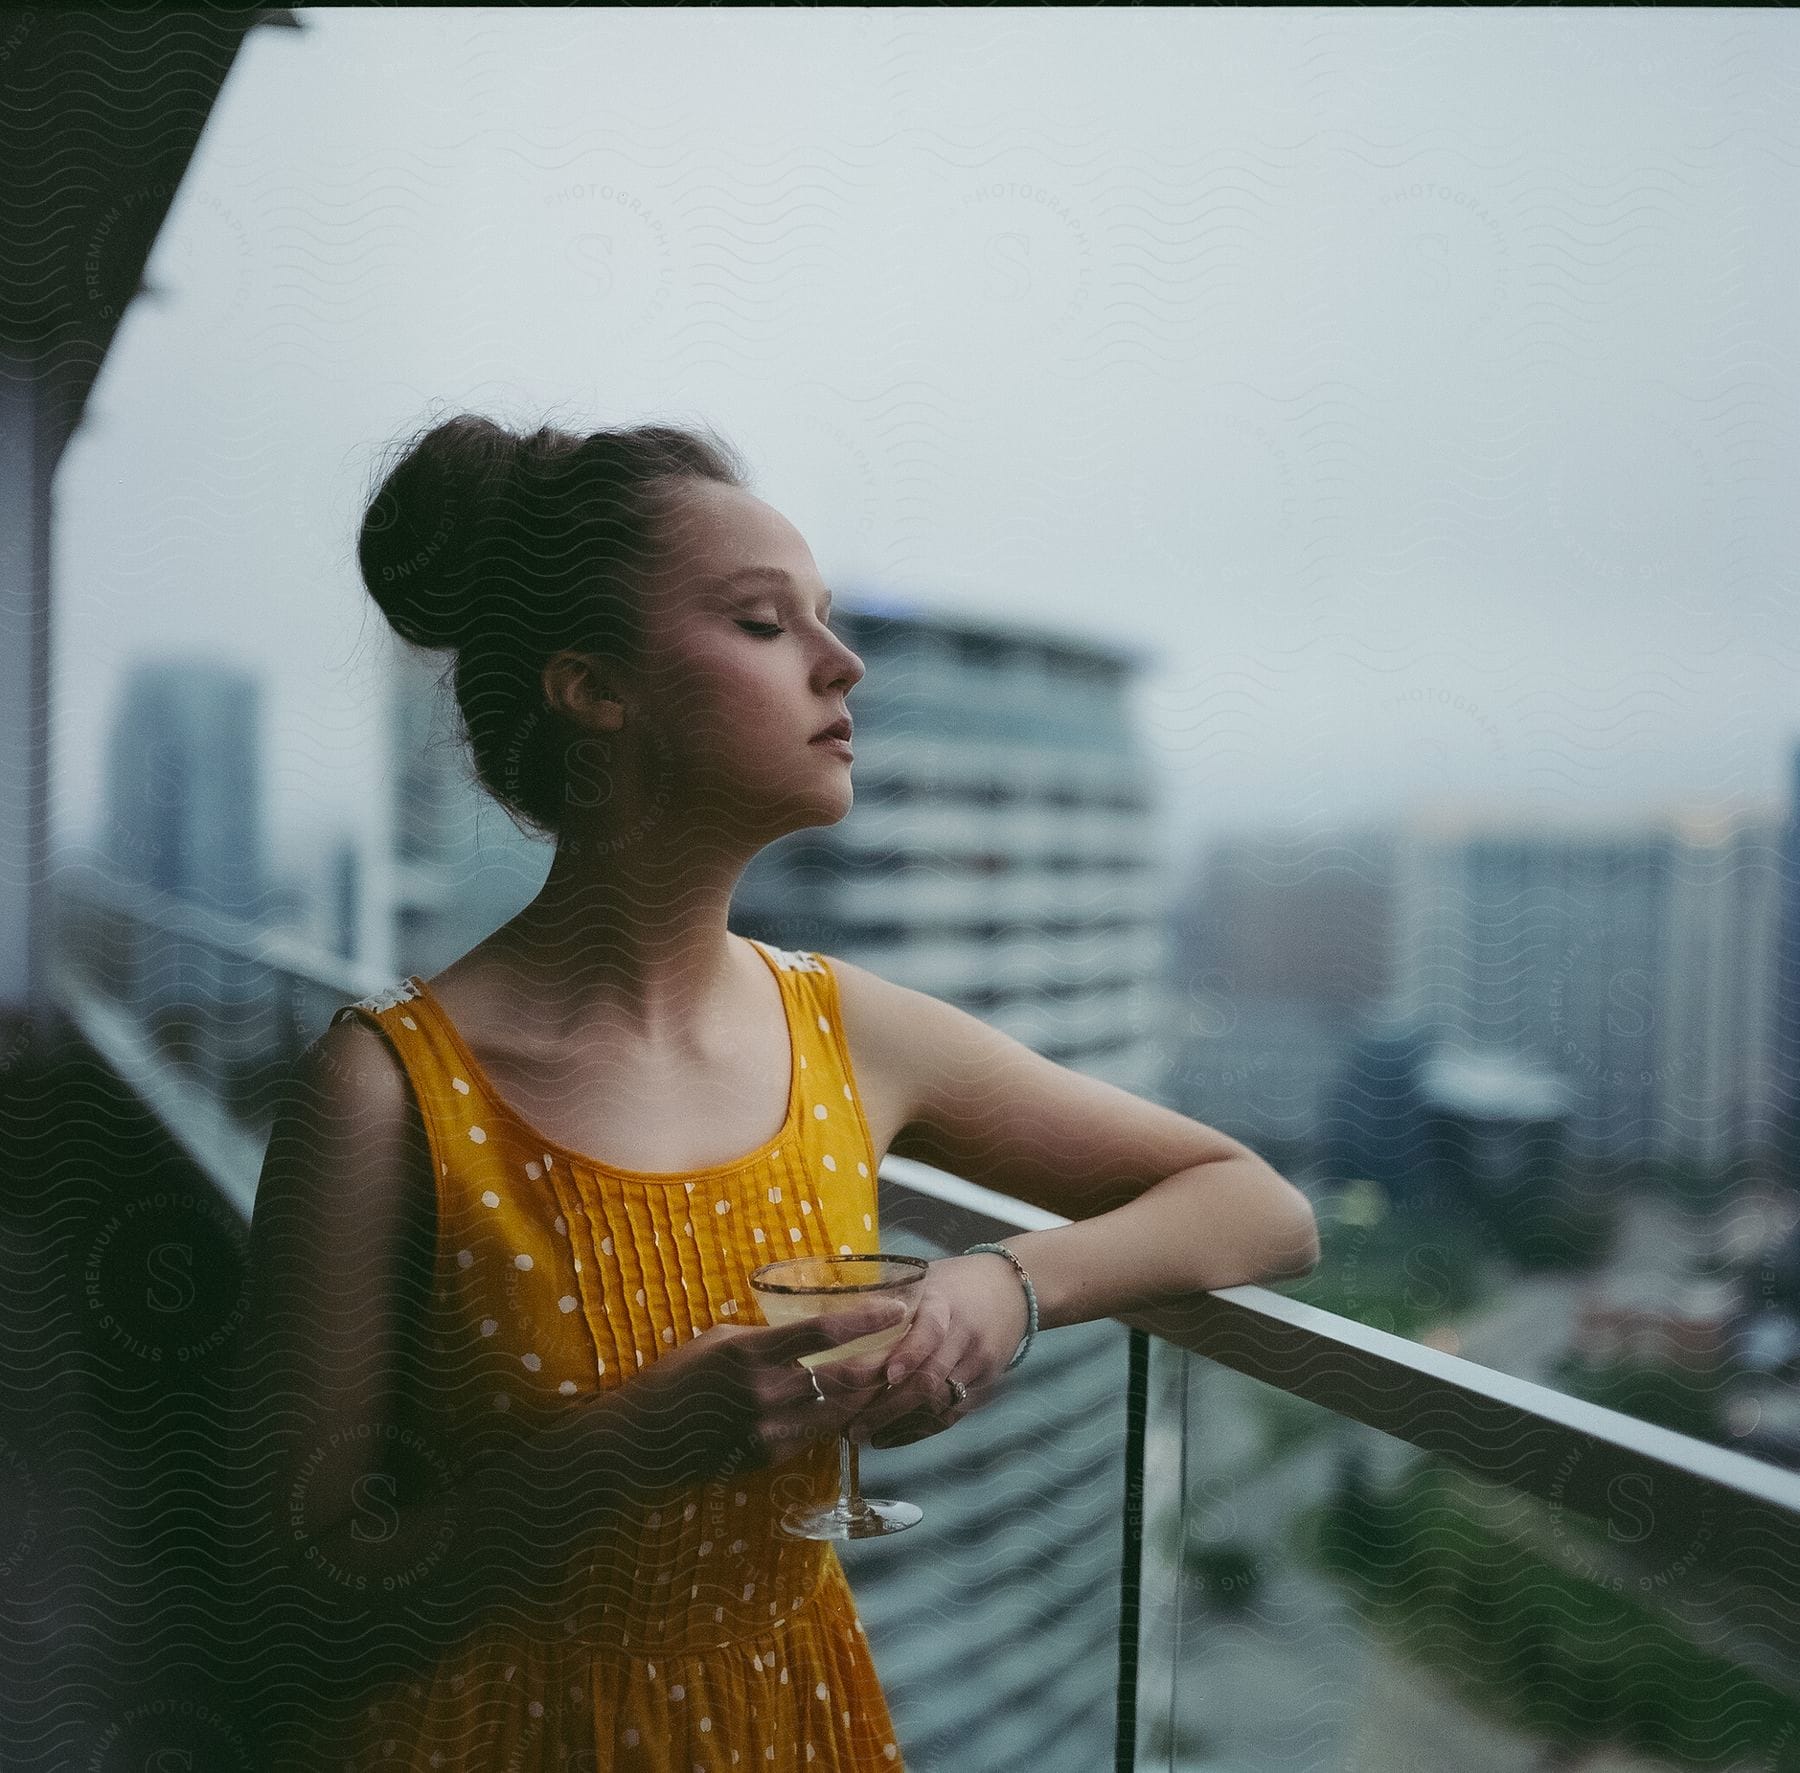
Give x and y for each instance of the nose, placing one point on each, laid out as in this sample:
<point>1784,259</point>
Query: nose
<point>842,665</point>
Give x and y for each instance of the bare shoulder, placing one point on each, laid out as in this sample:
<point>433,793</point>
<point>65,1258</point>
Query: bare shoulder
<point>348,1141</point>
<point>893,1032</point>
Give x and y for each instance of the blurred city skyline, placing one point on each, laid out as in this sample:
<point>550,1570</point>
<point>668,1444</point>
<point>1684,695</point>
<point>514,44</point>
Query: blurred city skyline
<point>1407,385</point>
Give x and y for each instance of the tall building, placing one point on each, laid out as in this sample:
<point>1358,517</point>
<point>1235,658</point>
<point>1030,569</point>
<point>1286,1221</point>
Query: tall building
<point>1283,944</point>
<point>184,784</point>
<point>1633,961</point>
<point>998,854</point>
<point>1786,1012</point>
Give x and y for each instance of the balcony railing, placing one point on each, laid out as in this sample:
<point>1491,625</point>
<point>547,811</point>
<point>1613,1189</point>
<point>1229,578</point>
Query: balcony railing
<point>1555,1575</point>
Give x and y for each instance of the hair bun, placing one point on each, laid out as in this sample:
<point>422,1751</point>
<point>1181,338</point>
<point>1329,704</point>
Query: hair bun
<point>420,543</point>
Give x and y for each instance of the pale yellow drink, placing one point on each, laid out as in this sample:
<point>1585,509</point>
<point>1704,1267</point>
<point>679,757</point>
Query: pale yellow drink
<point>790,1308</point>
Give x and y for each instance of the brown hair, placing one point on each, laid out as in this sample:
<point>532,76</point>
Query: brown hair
<point>507,549</point>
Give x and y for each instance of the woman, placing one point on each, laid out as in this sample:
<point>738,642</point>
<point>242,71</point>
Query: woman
<point>523,1441</point>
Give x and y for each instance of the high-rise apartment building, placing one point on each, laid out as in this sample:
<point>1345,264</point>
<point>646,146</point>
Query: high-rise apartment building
<point>1635,961</point>
<point>184,785</point>
<point>998,854</point>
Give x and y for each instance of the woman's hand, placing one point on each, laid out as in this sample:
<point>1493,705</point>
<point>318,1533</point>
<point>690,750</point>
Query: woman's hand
<point>735,1397</point>
<point>969,1316</point>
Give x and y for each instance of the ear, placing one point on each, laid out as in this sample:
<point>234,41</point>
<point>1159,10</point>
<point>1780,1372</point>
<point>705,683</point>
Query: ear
<point>576,687</point>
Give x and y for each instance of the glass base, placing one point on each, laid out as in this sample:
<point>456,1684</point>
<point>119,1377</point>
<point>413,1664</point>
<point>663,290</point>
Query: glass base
<point>878,1518</point>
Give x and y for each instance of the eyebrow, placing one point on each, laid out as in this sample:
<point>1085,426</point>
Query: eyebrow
<point>773,575</point>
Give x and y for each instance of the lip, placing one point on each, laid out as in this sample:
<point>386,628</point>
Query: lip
<point>831,742</point>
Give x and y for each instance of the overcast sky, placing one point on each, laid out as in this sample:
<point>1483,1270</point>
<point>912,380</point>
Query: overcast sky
<point>1419,385</point>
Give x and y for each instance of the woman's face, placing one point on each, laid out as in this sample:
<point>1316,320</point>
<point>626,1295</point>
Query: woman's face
<point>741,668</point>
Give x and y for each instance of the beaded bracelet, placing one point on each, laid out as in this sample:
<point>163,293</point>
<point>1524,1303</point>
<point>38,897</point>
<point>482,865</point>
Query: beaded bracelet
<point>1030,1295</point>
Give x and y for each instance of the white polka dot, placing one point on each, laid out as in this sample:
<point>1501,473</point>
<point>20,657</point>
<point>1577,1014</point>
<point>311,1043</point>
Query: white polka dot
<point>459,1086</point>
<point>705,1724</point>
<point>749,1590</point>
<point>824,1026</point>
<point>705,1546</point>
<point>775,1194</point>
<point>868,1223</point>
<point>678,1692</point>
<point>566,1303</point>
<point>806,1206</point>
<point>562,1226</point>
<point>522,1261</point>
<point>845,1250</point>
<point>631,1739</point>
<point>811,1752</point>
<point>729,1308</point>
<point>465,1258</point>
<point>689,1186</point>
<point>478,1134</point>
<point>668,1335</point>
<point>567,1388</point>
<point>818,1111</point>
<point>847,1096</point>
<point>756,1232</point>
<point>408,1022</point>
<point>577,1264</point>
<point>488,1326</point>
<point>536,1708</point>
<point>599,1365</point>
<point>489,1198</point>
<point>689,1228</point>
<point>823,1691</point>
<point>739,1545</point>
<point>606,1246</point>
<point>640,1295</point>
<point>784,1671</point>
<point>723,1206</point>
<point>829,1161</point>
<point>890,1751</point>
<point>533,1171</point>
<point>862,1169</point>
<point>640,1355</point>
<point>532,1362</point>
<point>794,1233</point>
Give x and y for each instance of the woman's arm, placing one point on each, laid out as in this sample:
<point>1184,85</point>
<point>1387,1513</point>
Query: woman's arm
<point>1163,1205</point>
<point>356,1526</point>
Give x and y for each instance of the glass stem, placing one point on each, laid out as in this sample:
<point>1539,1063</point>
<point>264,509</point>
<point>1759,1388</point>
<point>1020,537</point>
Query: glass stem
<point>850,1502</point>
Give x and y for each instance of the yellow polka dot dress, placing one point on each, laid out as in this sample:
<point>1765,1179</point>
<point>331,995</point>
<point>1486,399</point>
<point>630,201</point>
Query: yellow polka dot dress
<point>700,1636</point>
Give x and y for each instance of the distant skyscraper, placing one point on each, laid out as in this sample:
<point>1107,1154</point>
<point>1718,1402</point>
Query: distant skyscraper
<point>345,887</point>
<point>1285,941</point>
<point>1786,1016</point>
<point>1633,961</point>
<point>184,787</point>
<point>1301,917</point>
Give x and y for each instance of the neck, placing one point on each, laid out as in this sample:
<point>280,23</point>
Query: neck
<point>636,937</point>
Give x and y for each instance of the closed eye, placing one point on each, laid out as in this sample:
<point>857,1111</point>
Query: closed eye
<point>764,630</point>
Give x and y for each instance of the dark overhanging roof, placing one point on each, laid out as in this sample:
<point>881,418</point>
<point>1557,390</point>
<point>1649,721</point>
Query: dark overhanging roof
<point>99,115</point>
